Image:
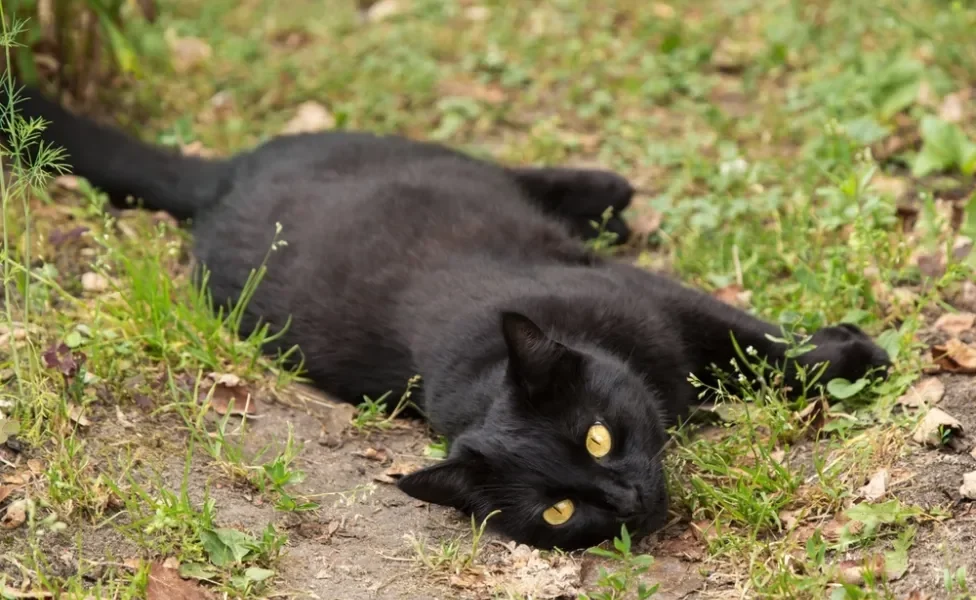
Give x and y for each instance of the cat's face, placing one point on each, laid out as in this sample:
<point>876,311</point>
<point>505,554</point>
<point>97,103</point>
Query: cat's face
<point>569,454</point>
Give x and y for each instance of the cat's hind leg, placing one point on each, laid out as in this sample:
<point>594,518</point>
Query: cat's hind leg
<point>579,196</point>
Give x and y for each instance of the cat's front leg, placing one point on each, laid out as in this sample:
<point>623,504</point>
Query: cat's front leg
<point>707,327</point>
<point>579,196</point>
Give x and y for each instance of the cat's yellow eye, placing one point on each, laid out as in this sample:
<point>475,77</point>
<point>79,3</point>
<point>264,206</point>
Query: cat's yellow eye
<point>598,441</point>
<point>559,513</point>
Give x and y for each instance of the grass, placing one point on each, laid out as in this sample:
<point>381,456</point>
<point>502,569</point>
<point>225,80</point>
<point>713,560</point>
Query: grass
<point>782,146</point>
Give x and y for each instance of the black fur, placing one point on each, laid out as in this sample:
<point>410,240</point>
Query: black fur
<point>407,258</point>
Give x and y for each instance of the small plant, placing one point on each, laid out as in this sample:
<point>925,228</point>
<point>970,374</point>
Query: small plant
<point>372,414</point>
<point>617,584</point>
<point>604,240</point>
<point>453,555</point>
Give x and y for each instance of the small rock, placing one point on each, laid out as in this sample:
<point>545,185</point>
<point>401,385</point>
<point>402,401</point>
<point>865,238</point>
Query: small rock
<point>968,488</point>
<point>94,282</point>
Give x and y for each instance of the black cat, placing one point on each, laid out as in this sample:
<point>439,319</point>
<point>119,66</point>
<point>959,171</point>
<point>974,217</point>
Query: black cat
<point>553,372</point>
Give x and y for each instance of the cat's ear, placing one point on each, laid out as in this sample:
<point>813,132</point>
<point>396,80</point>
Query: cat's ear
<point>532,355</point>
<point>448,483</point>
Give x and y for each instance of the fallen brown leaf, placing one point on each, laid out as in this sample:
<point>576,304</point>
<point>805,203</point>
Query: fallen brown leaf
<point>383,9</point>
<point>931,428</point>
<point>526,573</point>
<point>734,295</point>
<point>488,94</point>
<point>834,528</point>
<point>379,455</point>
<point>852,571</point>
<point>309,118</point>
<point>9,592</point>
<point>955,357</point>
<point>16,514</point>
<point>77,415</point>
<point>918,594</point>
<point>396,471</point>
<point>228,395</point>
<point>814,416</point>
<point>187,52</point>
<point>876,487</point>
<point>687,545</point>
<point>5,491</point>
<point>951,109</point>
<point>122,419</point>
<point>926,392</point>
<point>956,323</point>
<point>166,584</point>
<point>61,357</point>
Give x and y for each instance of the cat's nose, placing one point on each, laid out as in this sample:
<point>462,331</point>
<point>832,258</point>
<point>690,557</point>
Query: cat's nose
<point>629,502</point>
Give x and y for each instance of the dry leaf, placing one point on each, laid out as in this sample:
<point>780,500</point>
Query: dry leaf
<point>166,584</point>
<point>662,10</point>
<point>122,419</point>
<point>16,514</point>
<point>687,545</point>
<point>931,428</point>
<point>896,188</point>
<point>489,94</point>
<point>814,415</point>
<point>35,466</point>
<point>955,357</point>
<point>380,455</point>
<point>309,118</point>
<point>956,323</point>
<point>396,471</point>
<point>171,563</point>
<point>852,571</point>
<point>968,488</point>
<point>9,592</point>
<point>876,487</point>
<point>951,109</point>
<point>835,527</point>
<point>196,148</point>
<point>5,491</point>
<point>383,9</point>
<point>77,414</point>
<point>94,282</point>
<point>187,52</point>
<point>526,573</point>
<point>477,13</point>
<point>917,594</point>
<point>228,395</point>
<point>733,295</point>
<point>926,392</point>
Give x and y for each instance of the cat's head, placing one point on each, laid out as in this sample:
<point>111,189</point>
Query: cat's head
<point>569,452</point>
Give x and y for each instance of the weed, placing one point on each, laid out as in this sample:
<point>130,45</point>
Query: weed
<point>453,555</point>
<point>614,584</point>
<point>373,414</point>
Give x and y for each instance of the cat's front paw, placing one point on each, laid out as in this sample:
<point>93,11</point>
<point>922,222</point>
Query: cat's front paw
<point>850,352</point>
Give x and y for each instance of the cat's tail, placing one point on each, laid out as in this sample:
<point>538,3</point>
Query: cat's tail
<point>118,164</point>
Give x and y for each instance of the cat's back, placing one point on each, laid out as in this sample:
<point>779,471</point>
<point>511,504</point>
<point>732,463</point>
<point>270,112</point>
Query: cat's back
<point>360,227</point>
